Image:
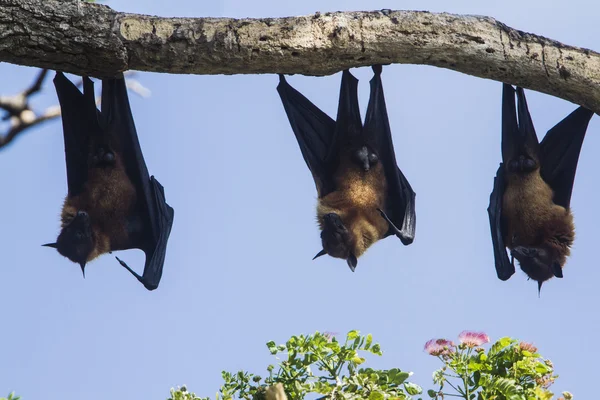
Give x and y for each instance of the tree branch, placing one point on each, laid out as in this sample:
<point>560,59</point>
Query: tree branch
<point>22,117</point>
<point>93,39</point>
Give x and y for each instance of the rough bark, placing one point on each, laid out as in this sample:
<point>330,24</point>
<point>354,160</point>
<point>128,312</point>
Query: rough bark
<point>93,39</point>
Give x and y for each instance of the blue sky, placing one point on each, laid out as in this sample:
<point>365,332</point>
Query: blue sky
<point>238,270</point>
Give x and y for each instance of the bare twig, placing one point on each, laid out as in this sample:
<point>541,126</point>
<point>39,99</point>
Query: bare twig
<point>22,124</point>
<point>22,117</point>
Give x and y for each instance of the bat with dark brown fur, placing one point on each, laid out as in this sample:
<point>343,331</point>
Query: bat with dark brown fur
<point>529,207</point>
<point>363,195</point>
<point>112,202</point>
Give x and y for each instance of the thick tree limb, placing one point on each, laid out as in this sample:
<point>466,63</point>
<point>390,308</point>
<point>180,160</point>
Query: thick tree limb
<point>93,39</point>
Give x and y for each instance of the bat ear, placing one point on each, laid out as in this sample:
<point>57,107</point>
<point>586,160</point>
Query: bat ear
<point>539,288</point>
<point>319,254</point>
<point>53,245</point>
<point>352,261</point>
<point>82,265</point>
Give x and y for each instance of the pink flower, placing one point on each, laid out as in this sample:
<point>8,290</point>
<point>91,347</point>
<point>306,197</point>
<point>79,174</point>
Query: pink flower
<point>473,339</point>
<point>528,347</point>
<point>439,347</point>
<point>329,335</point>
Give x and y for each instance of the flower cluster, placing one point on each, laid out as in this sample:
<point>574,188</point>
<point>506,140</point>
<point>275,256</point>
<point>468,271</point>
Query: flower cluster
<point>444,347</point>
<point>528,347</point>
<point>439,347</point>
<point>473,339</point>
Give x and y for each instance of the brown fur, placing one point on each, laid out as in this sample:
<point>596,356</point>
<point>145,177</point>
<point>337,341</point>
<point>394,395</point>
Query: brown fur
<point>533,220</point>
<point>108,198</point>
<point>360,193</point>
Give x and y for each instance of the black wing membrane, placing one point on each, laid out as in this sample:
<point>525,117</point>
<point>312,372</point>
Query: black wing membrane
<point>504,268</point>
<point>510,128</point>
<point>400,206</point>
<point>315,133</point>
<point>156,215</point>
<point>560,150</point>
<point>348,124</point>
<point>75,132</point>
<point>512,140</point>
<point>526,128</point>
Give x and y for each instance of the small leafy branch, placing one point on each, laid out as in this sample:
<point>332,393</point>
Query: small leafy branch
<point>318,363</point>
<point>510,370</point>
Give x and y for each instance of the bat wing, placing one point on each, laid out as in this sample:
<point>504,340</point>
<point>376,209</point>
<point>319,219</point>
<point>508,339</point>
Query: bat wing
<point>400,204</point>
<point>79,121</point>
<point>504,268</point>
<point>156,214</point>
<point>560,150</point>
<point>348,124</point>
<point>314,131</point>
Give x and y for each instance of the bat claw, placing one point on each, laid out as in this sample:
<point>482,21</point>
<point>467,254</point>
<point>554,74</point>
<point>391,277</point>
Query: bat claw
<point>352,262</point>
<point>557,270</point>
<point>319,254</point>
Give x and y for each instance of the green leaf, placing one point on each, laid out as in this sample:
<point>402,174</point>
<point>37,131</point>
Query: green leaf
<point>358,360</point>
<point>376,349</point>
<point>432,393</point>
<point>542,368</point>
<point>398,377</point>
<point>352,335</point>
<point>376,396</point>
<point>369,341</point>
<point>272,347</point>
<point>413,388</point>
<point>507,387</point>
<point>500,345</point>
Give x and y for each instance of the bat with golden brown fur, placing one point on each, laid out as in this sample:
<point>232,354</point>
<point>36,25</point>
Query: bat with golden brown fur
<point>529,207</point>
<point>112,202</point>
<point>363,195</point>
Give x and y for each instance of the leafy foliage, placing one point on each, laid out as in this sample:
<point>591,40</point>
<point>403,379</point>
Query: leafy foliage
<point>11,396</point>
<point>181,393</point>
<point>319,364</point>
<point>510,370</point>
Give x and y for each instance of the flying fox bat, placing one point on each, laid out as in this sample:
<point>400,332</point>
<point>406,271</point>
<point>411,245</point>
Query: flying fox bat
<point>529,207</point>
<point>112,202</point>
<point>363,195</point>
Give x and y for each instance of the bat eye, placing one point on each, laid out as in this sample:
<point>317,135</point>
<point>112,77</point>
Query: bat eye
<point>373,158</point>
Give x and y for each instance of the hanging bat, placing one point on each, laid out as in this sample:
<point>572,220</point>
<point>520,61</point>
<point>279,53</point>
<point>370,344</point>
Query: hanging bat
<point>529,206</point>
<point>112,203</point>
<point>363,195</point>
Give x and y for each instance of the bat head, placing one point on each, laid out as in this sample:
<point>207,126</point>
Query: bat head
<point>538,263</point>
<point>76,240</point>
<point>337,240</point>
